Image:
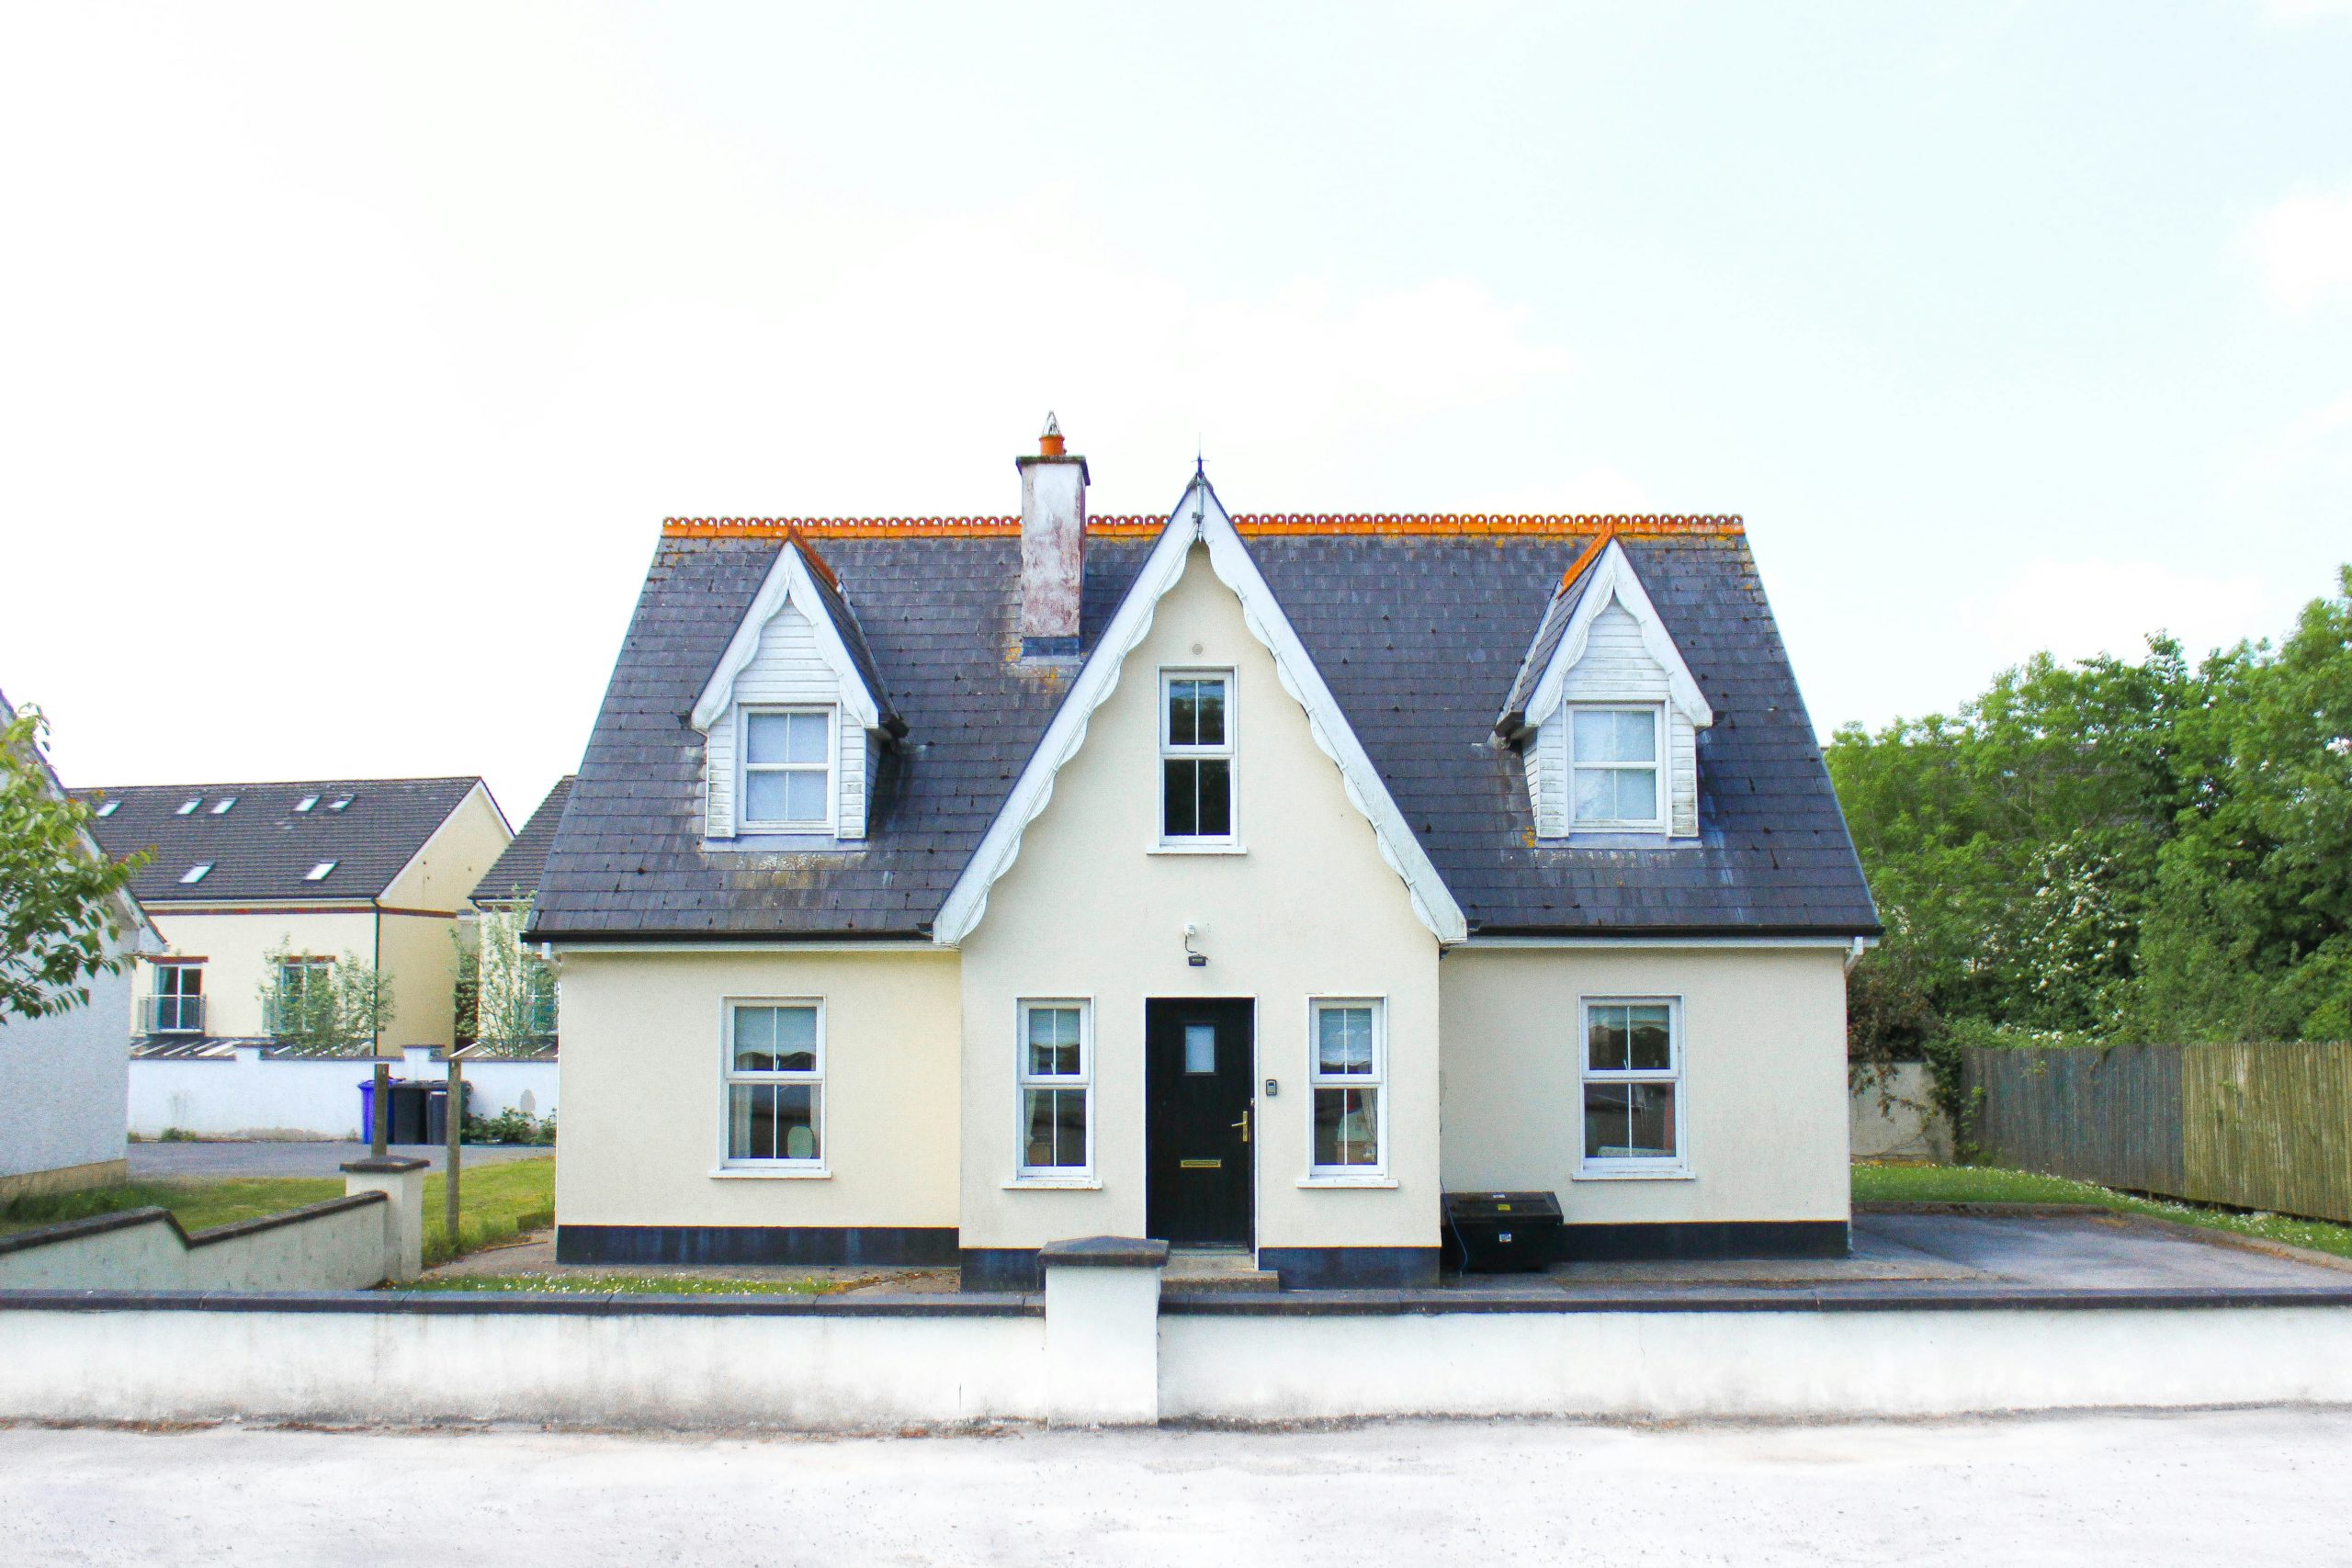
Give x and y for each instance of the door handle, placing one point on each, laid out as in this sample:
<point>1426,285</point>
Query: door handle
<point>1243,1124</point>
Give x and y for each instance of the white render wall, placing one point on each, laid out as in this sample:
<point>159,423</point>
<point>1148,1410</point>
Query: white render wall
<point>1680,1365</point>
<point>786,670</point>
<point>1763,1106</point>
<point>644,1046</point>
<point>808,1371</point>
<point>259,1097</point>
<point>844,1370</point>
<point>64,1080</point>
<point>1615,668</point>
<point>344,1250</point>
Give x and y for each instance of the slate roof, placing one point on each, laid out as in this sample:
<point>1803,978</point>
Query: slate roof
<point>1420,637</point>
<point>515,875</point>
<point>262,848</point>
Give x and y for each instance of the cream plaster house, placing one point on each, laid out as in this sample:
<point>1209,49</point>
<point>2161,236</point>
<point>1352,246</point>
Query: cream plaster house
<point>935,890</point>
<point>378,868</point>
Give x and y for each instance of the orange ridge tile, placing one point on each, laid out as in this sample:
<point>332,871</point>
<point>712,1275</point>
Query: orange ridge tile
<point>1263,525</point>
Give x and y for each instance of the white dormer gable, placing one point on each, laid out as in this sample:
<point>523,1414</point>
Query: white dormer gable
<point>1614,718</point>
<point>786,672</point>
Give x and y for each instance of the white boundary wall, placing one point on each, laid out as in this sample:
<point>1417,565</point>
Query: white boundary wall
<point>252,1095</point>
<point>1668,1365</point>
<point>839,1367</point>
<point>720,1368</point>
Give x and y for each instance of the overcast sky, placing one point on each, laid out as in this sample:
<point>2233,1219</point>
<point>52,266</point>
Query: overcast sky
<point>351,356</point>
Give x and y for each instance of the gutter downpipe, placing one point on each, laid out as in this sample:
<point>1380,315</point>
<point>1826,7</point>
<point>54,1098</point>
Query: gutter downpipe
<point>1860,945</point>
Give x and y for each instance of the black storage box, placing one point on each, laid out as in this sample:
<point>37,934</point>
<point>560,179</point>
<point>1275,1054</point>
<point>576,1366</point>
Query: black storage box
<point>1503,1232</point>
<point>437,1111</point>
<point>408,1101</point>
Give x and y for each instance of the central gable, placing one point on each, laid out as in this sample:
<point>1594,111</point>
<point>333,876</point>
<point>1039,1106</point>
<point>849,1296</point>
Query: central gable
<point>1201,535</point>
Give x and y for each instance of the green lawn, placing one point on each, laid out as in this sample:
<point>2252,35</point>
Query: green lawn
<point>498,1202</point>
<point>1988,1184</point>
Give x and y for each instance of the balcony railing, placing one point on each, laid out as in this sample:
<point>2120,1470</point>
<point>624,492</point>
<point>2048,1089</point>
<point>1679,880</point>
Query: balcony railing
<point>172,1015</point>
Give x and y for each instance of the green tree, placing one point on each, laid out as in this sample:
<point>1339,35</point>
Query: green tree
<point>2014,847</point>
<point>58,898</point>
<point>510,989</point>
<point>2250,937</point>
<point>319,1007</point>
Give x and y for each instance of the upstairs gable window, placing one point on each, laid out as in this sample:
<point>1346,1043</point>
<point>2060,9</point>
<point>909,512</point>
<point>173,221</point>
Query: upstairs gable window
<point>1196,756</point>
<point>789,770</point>
<point>1613,760</point>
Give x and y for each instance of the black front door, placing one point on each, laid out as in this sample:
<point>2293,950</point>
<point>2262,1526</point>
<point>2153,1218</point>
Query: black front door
<point>1199,1059</point>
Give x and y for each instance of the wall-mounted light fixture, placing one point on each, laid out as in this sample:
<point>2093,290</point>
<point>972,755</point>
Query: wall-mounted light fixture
<point>1197,960</point>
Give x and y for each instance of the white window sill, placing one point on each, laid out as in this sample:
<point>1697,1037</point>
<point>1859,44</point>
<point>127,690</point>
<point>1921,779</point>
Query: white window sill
<point>1342,1183</point>
<point>1631,1171</point>
<point>1053,1184</point>
<point>772,1173</point>
<point>1174,848</point>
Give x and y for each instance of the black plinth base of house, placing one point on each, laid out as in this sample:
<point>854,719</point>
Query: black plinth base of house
<point>1352,1268</point>
<point>1000,1269</point>
<point>894,1247</point>
<point>1705,1240</point>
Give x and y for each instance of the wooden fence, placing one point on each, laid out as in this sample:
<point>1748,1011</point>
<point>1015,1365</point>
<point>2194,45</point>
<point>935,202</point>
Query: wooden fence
<point>2254,1127</point>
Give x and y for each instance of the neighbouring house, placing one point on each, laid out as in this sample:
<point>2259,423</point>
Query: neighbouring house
<point>512,999</point>
<point>65,1078</point>
<point>248,878</point>
<point>934,889</point>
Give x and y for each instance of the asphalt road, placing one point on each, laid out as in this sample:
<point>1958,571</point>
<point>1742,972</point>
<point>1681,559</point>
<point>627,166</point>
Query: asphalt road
<point>2264,1487</point>
<point>182,1162</point>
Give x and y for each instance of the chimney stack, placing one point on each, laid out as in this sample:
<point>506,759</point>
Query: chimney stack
<point>1052,546</point>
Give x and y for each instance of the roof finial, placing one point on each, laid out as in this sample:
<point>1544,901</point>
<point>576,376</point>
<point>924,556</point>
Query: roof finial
<point>1049,440</point>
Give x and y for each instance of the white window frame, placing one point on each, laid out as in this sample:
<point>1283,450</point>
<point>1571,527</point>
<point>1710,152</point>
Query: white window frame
<point>728,1078</point>
<point>1661,779</point>
<point>1230,751</point>
<point>1633,1167</point>
<point>1025,1174</point>
<point>1375,1174</point>
<point>744,767</point>
<point>180,1000</point>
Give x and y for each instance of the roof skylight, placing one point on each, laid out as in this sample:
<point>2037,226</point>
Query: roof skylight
<point>319,871</point>
<point>220,806</point>
<point>187,807</point>
<point>306,802</point>
<point>194,874</point>
<point>108,809</point>
<point>338,803</point>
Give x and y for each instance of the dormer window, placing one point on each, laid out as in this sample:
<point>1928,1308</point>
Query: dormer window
<point>789,770</point>
<point>1613,761</point>
<point>1196,756</point>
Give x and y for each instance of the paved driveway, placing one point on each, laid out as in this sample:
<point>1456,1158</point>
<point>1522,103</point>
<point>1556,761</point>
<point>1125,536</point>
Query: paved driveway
<point>2194,1488</point>
<point>176,1162</point>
